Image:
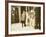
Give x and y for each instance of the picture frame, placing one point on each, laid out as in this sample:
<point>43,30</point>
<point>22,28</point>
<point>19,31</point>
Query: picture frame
<point>20,27</point>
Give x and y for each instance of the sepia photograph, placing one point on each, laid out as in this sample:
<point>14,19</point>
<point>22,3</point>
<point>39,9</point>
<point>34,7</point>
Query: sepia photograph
<point>25,18</point>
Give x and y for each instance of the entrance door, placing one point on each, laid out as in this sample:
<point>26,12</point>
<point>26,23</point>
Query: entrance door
<point>14,15</point>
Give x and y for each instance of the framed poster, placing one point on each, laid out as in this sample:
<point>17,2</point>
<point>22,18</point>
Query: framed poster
<point>25,18</point>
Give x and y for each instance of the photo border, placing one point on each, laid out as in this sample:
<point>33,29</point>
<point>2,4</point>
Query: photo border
<point>6,17</point>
